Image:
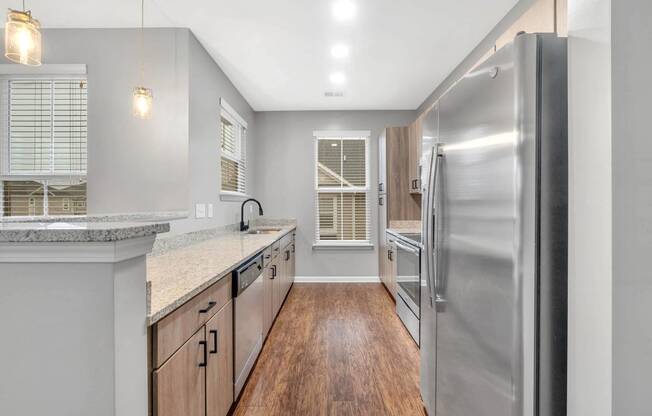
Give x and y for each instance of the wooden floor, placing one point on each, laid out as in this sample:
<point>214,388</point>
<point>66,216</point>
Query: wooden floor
<point>335,349</point>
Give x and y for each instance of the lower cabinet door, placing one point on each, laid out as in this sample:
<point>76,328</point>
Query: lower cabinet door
<point>219,372</point>
<point>277,285</point>
<point>293,263</point>
<point>179,384</point>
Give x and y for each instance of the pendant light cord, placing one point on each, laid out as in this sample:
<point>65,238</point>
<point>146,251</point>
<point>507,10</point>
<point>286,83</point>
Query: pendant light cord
<point>142,41</point>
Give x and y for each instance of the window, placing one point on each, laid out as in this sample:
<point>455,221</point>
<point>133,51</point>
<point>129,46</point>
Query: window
<point>43,147</point>
<point>342,188</point>
<point>233,137</point>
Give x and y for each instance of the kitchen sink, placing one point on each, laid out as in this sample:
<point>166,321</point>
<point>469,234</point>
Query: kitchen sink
<point>264,231</point>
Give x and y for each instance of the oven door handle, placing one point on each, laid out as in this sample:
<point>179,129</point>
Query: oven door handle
<point>406,248</point>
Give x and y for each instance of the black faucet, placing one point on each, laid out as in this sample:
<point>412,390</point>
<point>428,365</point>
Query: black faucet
<point>244,227</point>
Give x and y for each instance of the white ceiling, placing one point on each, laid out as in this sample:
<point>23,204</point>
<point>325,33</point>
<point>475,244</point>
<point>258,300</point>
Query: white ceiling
<point>277,52</point>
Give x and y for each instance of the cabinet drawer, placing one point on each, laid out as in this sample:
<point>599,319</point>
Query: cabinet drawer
<point>267,256</point>
<point>276,248</point>
<point>175,329</point>
<point>286,240</point>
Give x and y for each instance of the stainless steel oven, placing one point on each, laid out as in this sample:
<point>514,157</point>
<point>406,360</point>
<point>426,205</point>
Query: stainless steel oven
<point>408,283</point>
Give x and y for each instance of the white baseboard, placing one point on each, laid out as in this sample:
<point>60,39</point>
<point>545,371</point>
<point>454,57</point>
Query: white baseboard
<point>337,279</point>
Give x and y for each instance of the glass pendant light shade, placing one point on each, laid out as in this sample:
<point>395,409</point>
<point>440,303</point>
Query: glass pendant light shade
<point>22,38</point>
<point>142,102</point>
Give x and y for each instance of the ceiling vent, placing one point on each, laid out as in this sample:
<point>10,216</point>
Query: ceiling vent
<point>334,94</point>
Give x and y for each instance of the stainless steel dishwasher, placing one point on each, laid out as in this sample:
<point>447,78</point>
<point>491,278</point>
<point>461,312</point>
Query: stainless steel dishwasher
<point>247,319</point>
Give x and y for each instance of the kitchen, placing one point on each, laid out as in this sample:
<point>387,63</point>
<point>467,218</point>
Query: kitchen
<point>346,207</point>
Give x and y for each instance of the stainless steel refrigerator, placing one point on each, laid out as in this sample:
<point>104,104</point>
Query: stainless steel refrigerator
<point>494,263</point>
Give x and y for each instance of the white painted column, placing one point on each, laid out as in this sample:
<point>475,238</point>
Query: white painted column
<point>590,209</point>
<point>73,328</point>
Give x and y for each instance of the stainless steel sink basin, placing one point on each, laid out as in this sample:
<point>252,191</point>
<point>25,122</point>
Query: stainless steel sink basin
<point>264,231</point>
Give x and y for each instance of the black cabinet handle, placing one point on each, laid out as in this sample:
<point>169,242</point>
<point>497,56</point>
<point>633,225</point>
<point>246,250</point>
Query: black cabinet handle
<point>380,201</point>
<point>287,255</point>
<point>293,248</point>
<point>203,345</point>
<point>213,332</point>
<point>210,306</point>
<point>273,271</point>
<point>389,255</point>
<point>380,187</point>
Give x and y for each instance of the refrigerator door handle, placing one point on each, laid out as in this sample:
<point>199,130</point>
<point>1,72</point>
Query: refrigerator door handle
<point>427,228</point>
<point>435,264</point>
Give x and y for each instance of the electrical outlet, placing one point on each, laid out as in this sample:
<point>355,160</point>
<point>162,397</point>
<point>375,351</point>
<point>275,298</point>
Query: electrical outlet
<point>200,211</point>
<point>210,210</point>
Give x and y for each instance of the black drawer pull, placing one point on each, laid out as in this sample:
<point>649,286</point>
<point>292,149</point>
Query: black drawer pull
<point>203,345</point>
<point>213,332</point>
<point>210,306</point>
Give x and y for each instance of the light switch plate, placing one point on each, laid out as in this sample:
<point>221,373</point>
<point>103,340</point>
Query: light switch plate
<point>210,210</point>
<point>200,211</point>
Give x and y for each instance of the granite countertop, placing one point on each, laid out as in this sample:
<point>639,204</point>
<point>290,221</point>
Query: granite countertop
<point>176,275</point>
<point>405,227</point>
<point>77,232</point>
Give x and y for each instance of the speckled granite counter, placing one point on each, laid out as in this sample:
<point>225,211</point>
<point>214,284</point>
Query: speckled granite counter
<point>176,275</point>
<point>77,232</point>
<point>410,227</point>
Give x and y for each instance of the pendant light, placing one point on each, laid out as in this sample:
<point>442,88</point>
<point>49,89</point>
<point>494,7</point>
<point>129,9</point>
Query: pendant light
<point>142,101</point>
<point>22,38</point>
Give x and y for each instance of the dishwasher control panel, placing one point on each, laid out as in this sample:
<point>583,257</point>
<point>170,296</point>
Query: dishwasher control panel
<point>246,274</point>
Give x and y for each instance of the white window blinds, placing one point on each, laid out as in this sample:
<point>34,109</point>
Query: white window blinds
<point>342,188</point>
<point>44,147</point>
<point>47,127</point>
<point>233,138</point>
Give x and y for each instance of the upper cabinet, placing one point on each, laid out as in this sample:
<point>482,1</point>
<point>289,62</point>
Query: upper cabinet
<point>414,156</point>
<point>395,176</point>
<point>382,163</point>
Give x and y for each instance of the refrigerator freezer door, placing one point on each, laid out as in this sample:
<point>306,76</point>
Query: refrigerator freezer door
<point>478,344</point>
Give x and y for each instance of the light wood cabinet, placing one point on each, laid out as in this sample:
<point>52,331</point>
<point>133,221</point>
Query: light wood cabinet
<point>173,330</point>
<point>277,285</point>
<point>198,379</point>
<point>279,277</point>
<point>219,369</point>
<point>401,206</point>
<point>414,156</point>
<point>382,163</point>
<point>179,384</point>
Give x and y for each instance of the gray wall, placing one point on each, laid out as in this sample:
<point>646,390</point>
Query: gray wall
<point>133,165</point>
<point>169,162</point>
<point>285,180</point>
<point>632,206</point>
<point>207,85</point>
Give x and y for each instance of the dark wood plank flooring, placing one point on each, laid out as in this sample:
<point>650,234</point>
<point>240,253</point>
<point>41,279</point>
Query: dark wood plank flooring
<point>335,349</point>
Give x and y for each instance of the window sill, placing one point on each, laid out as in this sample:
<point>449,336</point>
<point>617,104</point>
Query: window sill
<point>342,246</point>
<point>233,197</point>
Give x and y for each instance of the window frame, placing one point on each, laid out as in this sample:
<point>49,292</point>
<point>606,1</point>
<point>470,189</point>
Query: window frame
<point>363,135</point>
<point>77,72</point>
<point>229,113</point>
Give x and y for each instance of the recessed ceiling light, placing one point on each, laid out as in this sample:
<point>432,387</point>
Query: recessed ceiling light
<point>344,10</point>
<point>338,78</point>
<point>340,51</point>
